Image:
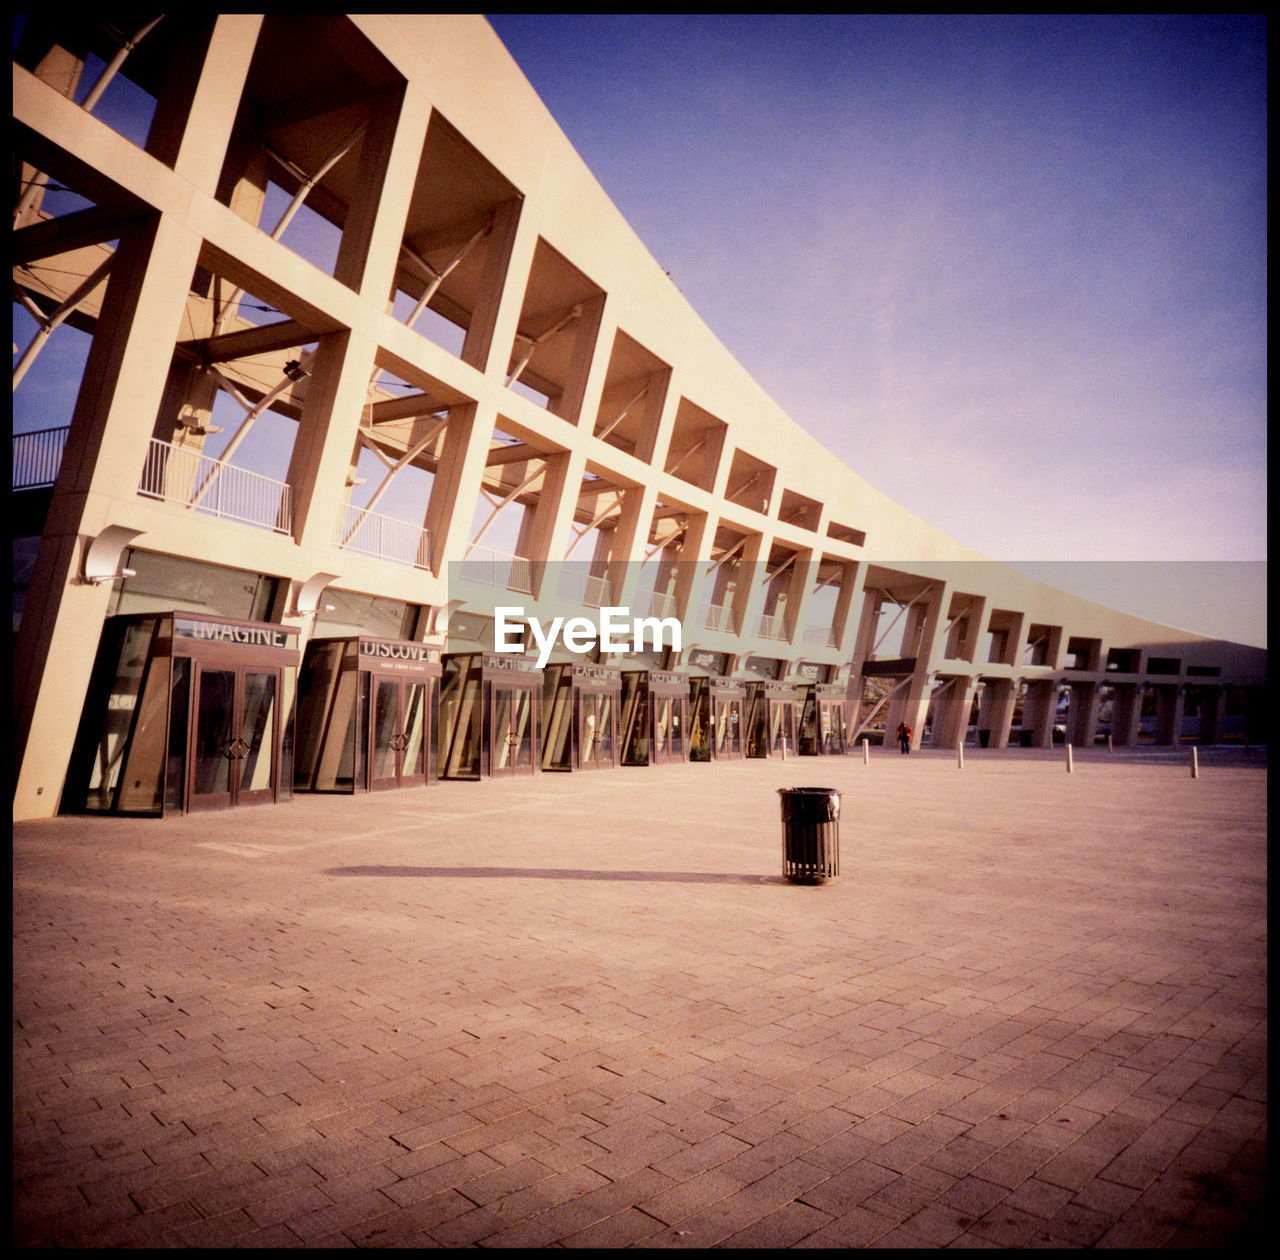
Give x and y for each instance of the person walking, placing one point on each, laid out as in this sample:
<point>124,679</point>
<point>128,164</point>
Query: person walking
<point>904,737</point>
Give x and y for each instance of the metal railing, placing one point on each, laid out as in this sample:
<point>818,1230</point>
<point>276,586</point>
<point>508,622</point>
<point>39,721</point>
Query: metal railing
<point>37,457</point>
<point>722,617</point>
<point>774,627</point>
<point>663,605</point>
<point>582,588</point>
<point>821,636</point>
<point>495,568</point>
<point>371,534</point>
<point>203,484</point>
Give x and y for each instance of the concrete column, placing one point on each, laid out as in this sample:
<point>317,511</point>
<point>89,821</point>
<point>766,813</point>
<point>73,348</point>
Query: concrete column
<point>1084,714</point>
<point>374,230</point>
<point>587,368</point>
<point>204,79</point>
<point>1169,703</point>
<point>748,600</point>
<point>502,259</point>
<point>456,488</point>
<point>846,619</point>
<point>1213,708</point>
<point>804,570</point>
<point>321,458</point>
<point>951,713</point>
<point>998,702</point>
<point>630,536</point>
<point>1126,714</point>
<point>914,707</point>
<point>549,528</point>
<point>120,394</point>
<point>924,628</point>
<point>1039,708</point>
<point>691,572</point>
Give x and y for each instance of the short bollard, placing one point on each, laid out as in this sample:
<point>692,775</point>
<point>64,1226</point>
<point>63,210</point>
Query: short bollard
<point>810,834</point>
<point>1070,762</point>
<point>1195,764</point>
<point>960,755</point>
<point>866,753</point>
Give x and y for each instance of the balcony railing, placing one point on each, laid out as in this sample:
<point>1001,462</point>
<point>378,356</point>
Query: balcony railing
<point>721,617</point>
<point>496,568</point>
<point>821,636</point>
<point>203,484</point>
<point>37,457</point>
<point>582,588</point>
<point>370,534</point>
<point>774,627</point>
<point>663,605</point>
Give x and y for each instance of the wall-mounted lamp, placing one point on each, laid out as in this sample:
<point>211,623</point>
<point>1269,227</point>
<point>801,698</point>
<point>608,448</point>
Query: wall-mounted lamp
<point>102,555</point>
<point>295,371</point>
<point>306,596</point>
<point>111,577</point>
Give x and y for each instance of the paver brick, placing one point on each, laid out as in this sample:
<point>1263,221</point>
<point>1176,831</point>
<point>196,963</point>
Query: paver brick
<point>388,1058</point>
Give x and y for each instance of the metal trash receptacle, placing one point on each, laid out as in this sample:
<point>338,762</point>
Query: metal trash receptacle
<point>810,834</point>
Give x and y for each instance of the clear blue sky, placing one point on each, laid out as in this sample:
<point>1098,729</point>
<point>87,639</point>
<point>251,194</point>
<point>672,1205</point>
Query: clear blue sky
<point>1011,269</point>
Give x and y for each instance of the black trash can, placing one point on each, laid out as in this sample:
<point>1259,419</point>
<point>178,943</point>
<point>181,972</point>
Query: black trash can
<point>810,834</point>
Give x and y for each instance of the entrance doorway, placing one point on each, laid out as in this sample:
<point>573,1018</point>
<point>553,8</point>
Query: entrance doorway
<point>821,720</point>
<point>727,700</point>
<point>770,719</point>
<point>489,716</point>
<point>233,737</point>
<point>581,706</point>
<point>400,743</point>
<point>367,711</point>
<point>186,711</point>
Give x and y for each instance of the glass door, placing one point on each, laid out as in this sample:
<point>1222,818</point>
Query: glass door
<point>757,721</point>
<point>234,736</point>
<point>595,730</point>
<point>398,734</point>
<point>833,728</point>
<point>728,728</point>
<point>634,720</point>
<point>557,709</point>
<point>511,726</point>
<point>810,744</point>
<point>254,774</point>
<point>462,706</point>
<point>661,726</point>
<point>675,732</point>
<point>782,723</point>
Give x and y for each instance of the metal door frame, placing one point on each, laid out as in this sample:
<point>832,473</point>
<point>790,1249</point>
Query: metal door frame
<point>234,796</point>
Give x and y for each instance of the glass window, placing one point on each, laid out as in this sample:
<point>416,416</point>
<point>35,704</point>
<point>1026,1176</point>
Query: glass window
<point>161,583</point>
<point>461,718</point>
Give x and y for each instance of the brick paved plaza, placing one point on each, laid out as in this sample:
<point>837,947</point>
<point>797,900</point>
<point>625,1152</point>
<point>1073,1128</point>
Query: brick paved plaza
<point>588,1011</point>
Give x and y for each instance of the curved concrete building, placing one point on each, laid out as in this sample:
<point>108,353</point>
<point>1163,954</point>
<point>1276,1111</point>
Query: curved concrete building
<point>367,357</point>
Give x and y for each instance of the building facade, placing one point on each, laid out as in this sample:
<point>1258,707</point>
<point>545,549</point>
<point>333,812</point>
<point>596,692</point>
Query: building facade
<point>367,355</point>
